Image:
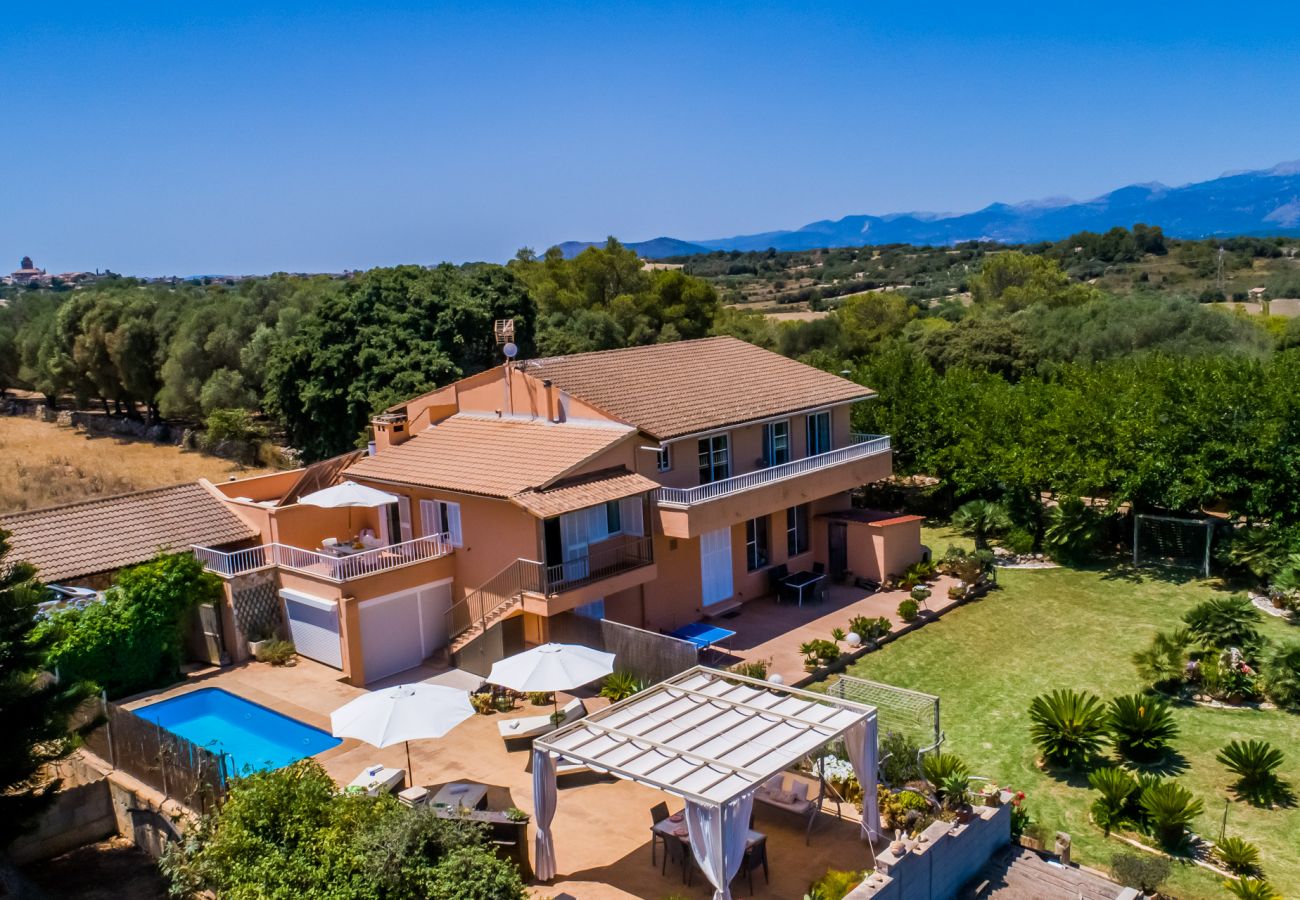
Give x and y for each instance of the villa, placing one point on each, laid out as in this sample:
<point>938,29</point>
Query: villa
<point>652,486</point>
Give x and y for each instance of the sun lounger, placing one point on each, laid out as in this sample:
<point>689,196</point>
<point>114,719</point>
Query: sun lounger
<point>536,726</point>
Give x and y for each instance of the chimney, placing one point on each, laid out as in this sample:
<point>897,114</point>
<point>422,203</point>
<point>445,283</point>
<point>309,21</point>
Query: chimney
<point>550,400</point>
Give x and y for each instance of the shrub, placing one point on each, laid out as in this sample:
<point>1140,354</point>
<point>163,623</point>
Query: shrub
<point>1261,551</point>
<point>1225,622</point>
<point>541,698</point>
<point>870,629</point>
<point>753,668</point>
<point>1169,809</point>
<point>131,641</point>
<point>1163,664</point>
<point>620,685</point>
<point>1068,726</point>
<point>908,610</point>
<point>954,791</point>
<point>1255,764</point>
<point>819,650</point>
<point>898,759</point>
<point>1117,789</point>
<point>277,652</point>
<point>834,885</point>
<point>1238,856</point>
<point>1141,727</point>
<point>981,519</point>
<point>225,426</point>
<point>1251,889</point>
<point>921,593</point>
<point>916,573</point>
<point>1280,673</point>
<point>483,704</point>
<point>1074,531</point>
<point>906,810</point>
<point>939,767</point>
<point>1142,871</point>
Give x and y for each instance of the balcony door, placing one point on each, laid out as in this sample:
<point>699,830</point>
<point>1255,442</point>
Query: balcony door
<point>776,443</point>
<point>715,566</point>
<point>715,458</point>
<point>819,433</point>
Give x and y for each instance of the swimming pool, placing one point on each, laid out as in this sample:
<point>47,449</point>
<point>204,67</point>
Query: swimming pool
<point>253,736</point>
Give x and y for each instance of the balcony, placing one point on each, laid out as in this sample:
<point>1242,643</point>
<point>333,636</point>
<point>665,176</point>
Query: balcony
<point>337,567</point>
<point>689,512</point>
<point>599,564</point>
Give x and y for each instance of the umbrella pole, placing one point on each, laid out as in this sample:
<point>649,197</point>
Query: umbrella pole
<point>410,775</point>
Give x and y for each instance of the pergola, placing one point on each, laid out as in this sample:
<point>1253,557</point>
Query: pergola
<point>711,738</point>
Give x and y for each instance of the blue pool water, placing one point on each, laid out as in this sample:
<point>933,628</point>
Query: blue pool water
<point>253,736</point>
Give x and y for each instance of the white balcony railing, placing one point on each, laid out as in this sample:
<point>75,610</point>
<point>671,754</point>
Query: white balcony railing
<point>342,567</point>
<point>860,446</point>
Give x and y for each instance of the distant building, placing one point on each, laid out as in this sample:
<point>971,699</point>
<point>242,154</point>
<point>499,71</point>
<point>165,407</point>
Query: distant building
<point>27,272</point>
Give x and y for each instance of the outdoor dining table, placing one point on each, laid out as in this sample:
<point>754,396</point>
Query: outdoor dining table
<point>801,580</point>
<point>703,635</point>
<point>668,828</point>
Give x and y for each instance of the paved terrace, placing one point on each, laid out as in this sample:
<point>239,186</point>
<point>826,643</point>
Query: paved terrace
<point>767,630</point>
<point>601,827</point>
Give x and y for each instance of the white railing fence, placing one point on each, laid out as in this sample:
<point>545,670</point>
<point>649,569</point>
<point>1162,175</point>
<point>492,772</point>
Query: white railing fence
<point>860,446</point>
<point>336,567</point>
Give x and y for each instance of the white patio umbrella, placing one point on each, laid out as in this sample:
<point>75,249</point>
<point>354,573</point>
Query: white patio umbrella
<point>552,667</point>
<point>405,713</point>
<point>348,494</point>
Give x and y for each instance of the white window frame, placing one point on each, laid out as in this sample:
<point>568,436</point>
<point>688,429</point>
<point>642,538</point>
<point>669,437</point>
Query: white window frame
<point>664,458</point>
<point>713,453</point>
<point>440,516</point>
<point>770,442</point>
<point>794,534</point>
<point>752,547</point>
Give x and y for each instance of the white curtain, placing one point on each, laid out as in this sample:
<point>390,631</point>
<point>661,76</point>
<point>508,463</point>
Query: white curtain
<point>575,536</point>
<point>718,835</point>
<point>543,813</point>
<point>629,509</point>
<point>860,742</point>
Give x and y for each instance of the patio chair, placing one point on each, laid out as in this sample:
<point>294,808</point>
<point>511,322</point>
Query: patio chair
<point>776,577</point>
<point>658,813</point>
<point>755,856</point>
<point>528,727</point>
<point>819,568</point>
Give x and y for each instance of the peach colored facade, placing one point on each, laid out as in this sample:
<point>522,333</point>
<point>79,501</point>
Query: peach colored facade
<point>699,548</point>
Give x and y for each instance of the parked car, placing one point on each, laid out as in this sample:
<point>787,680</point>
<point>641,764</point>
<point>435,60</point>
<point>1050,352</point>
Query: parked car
<point>62,596</point>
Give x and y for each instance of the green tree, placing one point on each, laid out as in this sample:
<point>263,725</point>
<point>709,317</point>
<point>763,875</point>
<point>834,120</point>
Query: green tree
<point>34,708</point>
<point>1018,280</point>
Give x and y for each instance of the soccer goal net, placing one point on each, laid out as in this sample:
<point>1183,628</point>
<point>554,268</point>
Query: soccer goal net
<point>1173,541</point>
<point>898,710</point>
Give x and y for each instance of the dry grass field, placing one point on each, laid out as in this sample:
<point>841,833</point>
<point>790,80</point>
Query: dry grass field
<point>42,464</point>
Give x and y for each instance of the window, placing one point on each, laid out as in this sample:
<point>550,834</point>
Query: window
<point>819,433</point>
<point>613,518</point>
<point>715,460</point>
<point>665,458</point>
<point>438,516</point>
<point>756,543</point>
<point>776,443</point>
<point>796,530</point>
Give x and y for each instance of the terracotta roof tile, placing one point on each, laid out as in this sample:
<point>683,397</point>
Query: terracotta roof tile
<point>490,456</point>
<point>600,487</point>
<point>671,390</point>
<point>101,535</point>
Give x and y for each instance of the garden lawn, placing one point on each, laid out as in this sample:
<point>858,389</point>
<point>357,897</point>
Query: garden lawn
<point>1066,628</point>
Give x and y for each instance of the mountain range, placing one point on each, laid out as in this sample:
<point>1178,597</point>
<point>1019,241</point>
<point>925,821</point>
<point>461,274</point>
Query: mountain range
<point>1259,202</point>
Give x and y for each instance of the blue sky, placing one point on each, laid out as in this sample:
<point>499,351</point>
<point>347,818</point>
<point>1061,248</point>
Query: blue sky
<point>182,138</point>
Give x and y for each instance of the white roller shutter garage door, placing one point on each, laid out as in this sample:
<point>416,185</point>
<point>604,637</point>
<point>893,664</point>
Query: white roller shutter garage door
<point>314,627</point>
<point>401,631</point>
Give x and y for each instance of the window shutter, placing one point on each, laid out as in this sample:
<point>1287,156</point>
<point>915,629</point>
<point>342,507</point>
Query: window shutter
<point>453,524</point>
<point>404,516</point>
<point>630,512</point>
<point>429,524</point>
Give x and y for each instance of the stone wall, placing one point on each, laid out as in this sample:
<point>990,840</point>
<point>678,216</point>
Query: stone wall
<point>940,860</point>
<point>80,815</point>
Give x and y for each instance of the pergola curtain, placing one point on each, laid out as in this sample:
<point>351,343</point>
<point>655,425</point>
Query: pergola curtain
<point>860,743</point>
<point>718,835</point>
<point>544,811</point>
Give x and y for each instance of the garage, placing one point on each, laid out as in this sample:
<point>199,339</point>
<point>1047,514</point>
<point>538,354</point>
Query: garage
<point>402,630</point>
<point>314,627</point>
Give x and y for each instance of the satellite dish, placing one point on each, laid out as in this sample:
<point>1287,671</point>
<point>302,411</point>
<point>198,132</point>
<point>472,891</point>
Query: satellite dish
<point>511,350</point>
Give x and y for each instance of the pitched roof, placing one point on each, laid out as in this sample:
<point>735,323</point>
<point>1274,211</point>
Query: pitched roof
<point>319,475</point>
<point>579,493</point>
<point>672,390</point>
<point>490,456</point>
<point>101,535</point>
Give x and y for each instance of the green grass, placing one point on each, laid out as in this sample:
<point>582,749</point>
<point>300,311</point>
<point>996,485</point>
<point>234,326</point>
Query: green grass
<point>1078,629</point>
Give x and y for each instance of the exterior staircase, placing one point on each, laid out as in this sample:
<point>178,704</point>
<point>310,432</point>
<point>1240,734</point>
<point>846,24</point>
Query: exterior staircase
<point>496,599</point>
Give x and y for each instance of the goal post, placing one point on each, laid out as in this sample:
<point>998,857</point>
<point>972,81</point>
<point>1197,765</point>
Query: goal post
<point>1174,541</point>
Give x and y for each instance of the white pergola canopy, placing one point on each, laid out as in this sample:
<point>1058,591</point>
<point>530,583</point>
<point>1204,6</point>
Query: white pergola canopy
<point>711,738</point>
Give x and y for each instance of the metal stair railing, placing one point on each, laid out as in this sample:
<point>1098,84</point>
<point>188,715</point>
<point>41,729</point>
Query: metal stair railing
<point>499,591</point>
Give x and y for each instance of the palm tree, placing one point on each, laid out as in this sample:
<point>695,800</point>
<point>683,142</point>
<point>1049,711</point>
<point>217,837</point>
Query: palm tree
<point>980,518</point>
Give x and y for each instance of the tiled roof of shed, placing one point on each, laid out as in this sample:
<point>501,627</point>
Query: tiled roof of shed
<point>672,390</point>
<point>490,456</point>
<point>600,487</point>
<point>101,535</point>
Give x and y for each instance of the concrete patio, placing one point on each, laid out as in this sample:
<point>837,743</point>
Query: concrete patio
<point>601,827</point>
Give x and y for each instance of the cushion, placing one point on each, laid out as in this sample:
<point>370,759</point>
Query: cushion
<point>799,791</point>
<point>782,796</point>
<point>775,784</point>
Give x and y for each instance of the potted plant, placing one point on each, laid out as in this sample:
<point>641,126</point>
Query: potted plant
<point>515,814</point>
<point>258,638</point>
<point>991,795</point>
